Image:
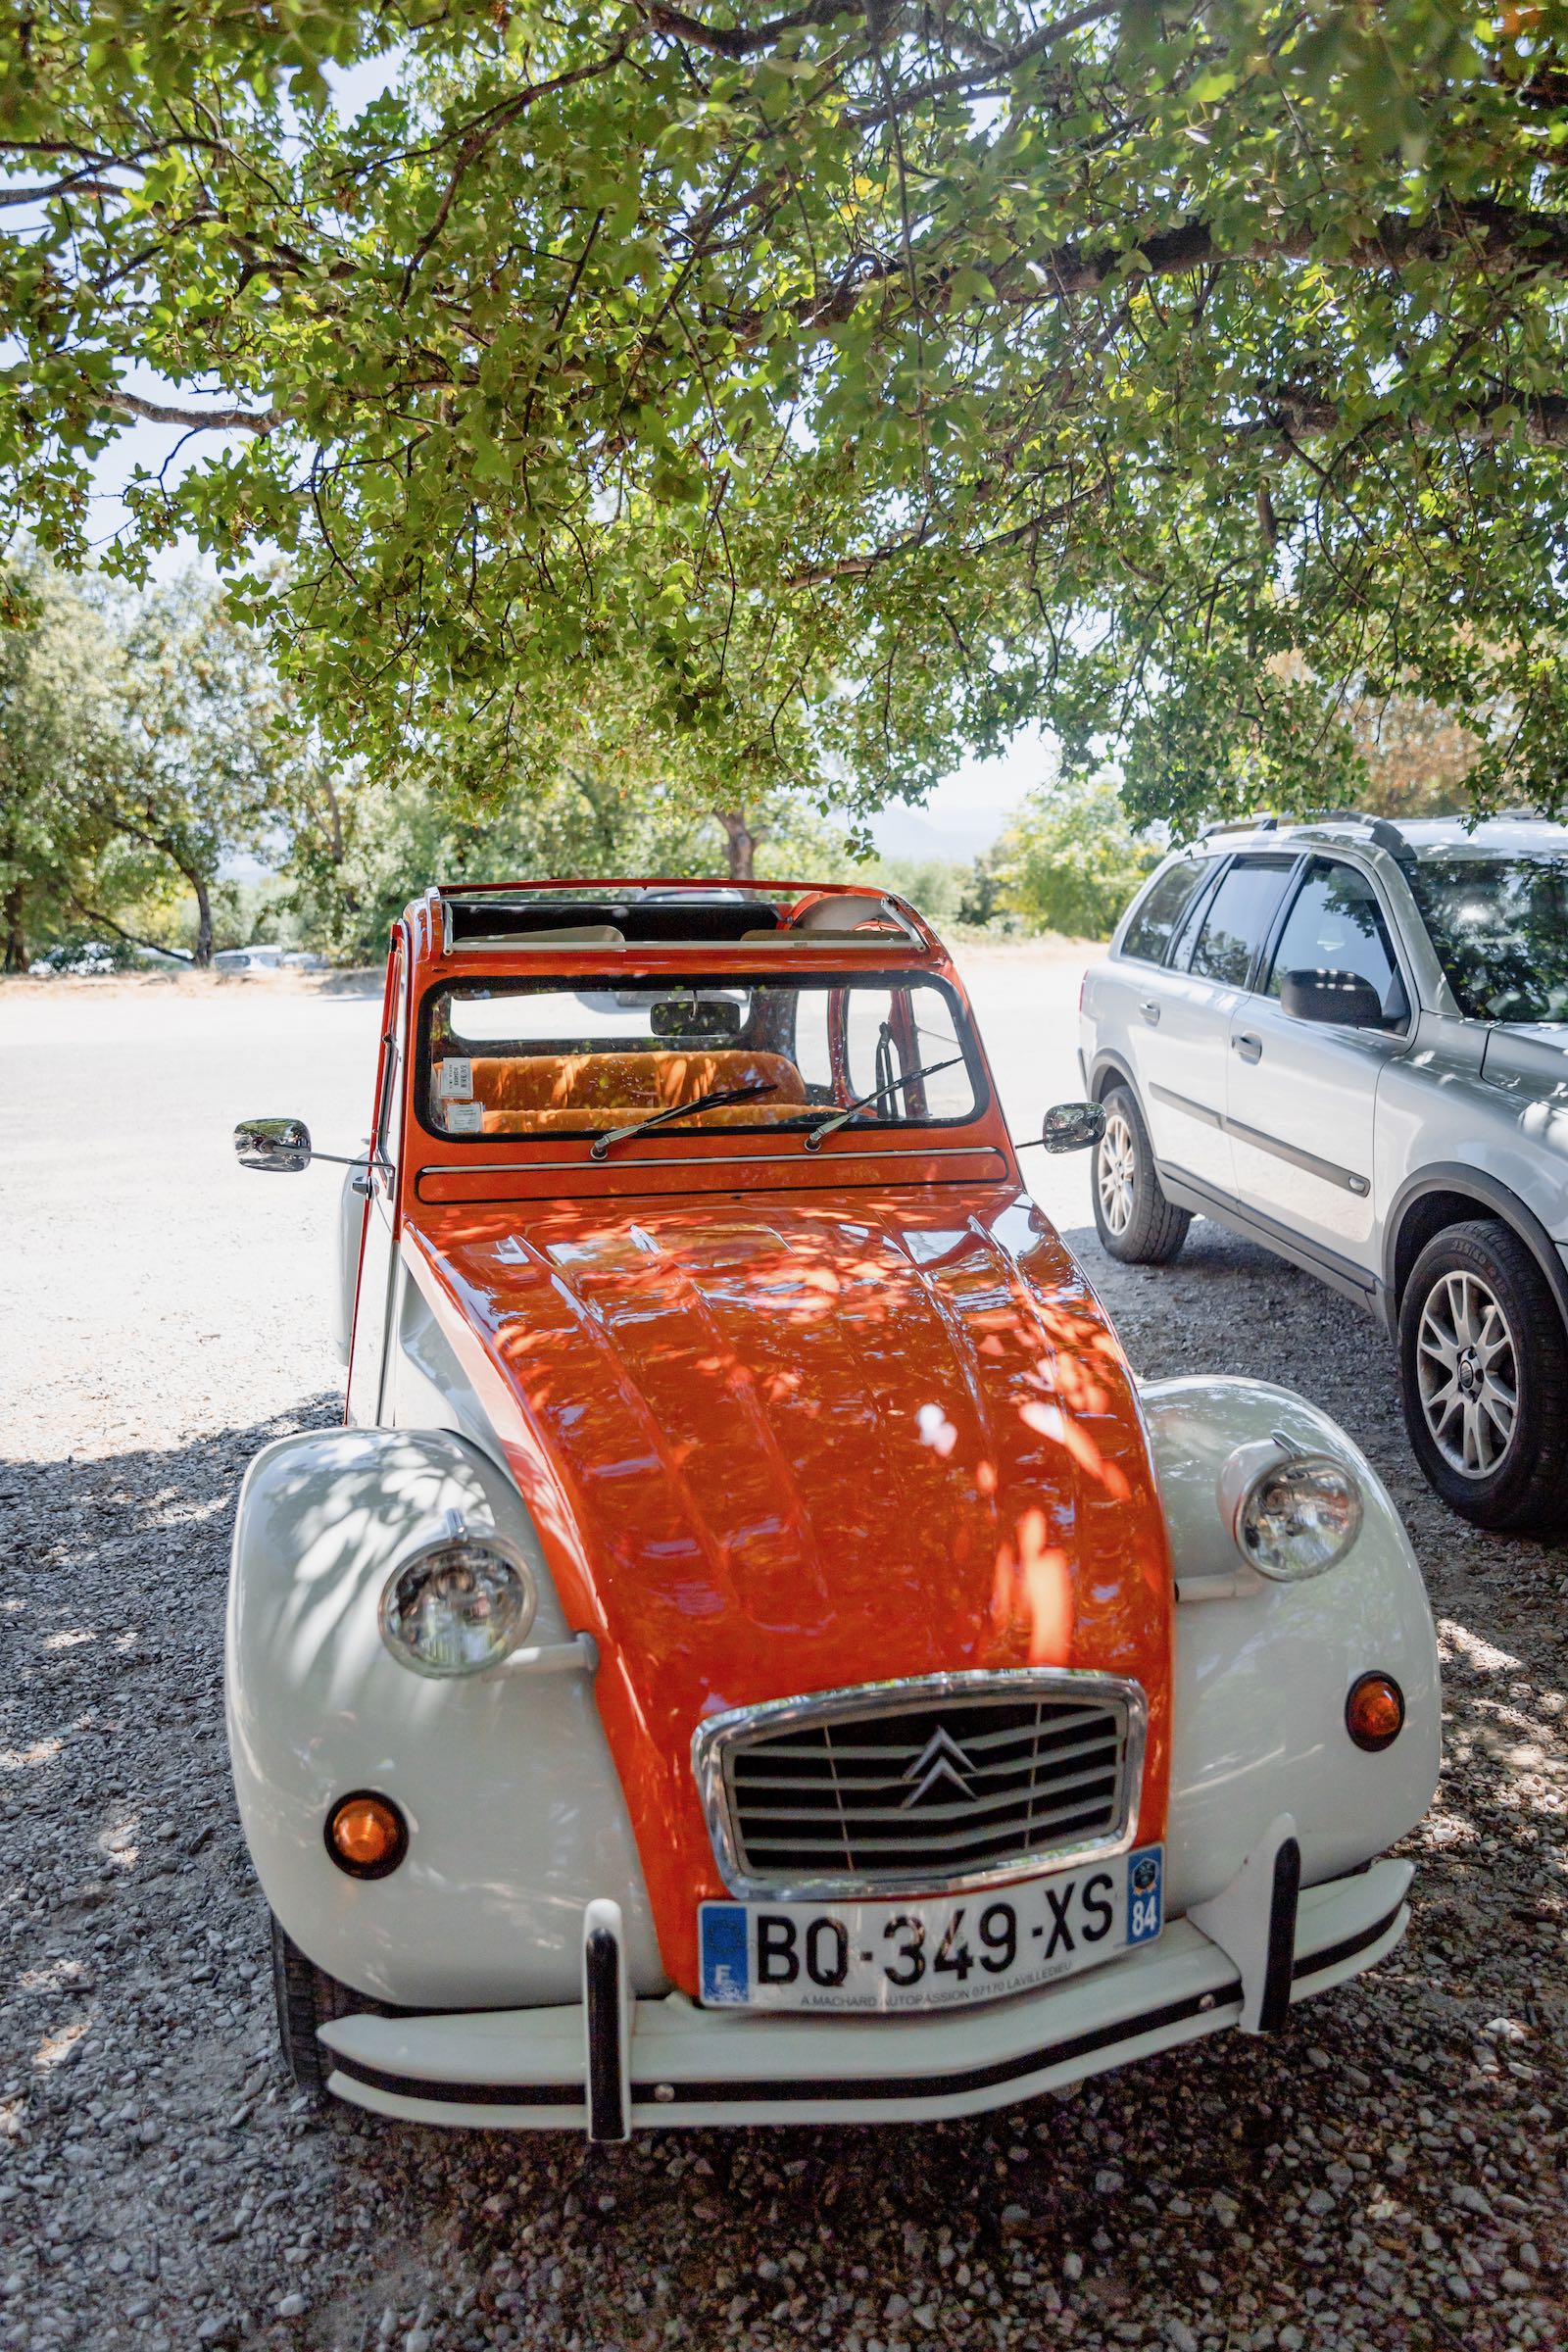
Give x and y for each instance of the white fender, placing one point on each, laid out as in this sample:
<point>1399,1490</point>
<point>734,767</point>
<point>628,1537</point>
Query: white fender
<point>515,1816</point>
<point>1262,1674</point>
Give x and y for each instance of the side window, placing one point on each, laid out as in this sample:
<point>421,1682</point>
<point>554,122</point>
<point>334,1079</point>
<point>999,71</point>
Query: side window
<point>1159,912</point>
<point>813,1051</point>
<point>389,1123</point>
<point>868,1039</point>
<point>892,1032</point>
<point>1336,925</point>
<point>1237,922</point>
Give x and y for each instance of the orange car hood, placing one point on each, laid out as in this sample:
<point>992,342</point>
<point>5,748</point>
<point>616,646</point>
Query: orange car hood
<point>779,1446</point>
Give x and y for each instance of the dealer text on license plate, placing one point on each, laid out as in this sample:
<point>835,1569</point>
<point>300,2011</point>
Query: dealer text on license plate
<point>933,1953</point>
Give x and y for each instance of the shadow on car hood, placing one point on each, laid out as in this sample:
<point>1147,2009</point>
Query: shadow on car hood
<point>774,1447</point>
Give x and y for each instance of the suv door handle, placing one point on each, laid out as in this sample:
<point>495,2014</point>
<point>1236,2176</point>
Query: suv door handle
<point>1149,1009</point>
<point>1248,1047</point>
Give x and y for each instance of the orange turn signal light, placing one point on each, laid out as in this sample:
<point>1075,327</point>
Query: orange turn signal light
<point>366,1834</point>
<point>1374,1712</point>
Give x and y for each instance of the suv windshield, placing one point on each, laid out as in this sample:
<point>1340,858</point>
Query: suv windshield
<point>506,1058</point>
<point>1500,928</point>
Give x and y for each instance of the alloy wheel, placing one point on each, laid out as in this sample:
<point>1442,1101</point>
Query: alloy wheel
<point>1468,1372</point>
<point>1116,1170</point>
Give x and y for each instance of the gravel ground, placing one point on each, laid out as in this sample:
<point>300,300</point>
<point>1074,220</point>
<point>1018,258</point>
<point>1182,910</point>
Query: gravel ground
<point>1388,2174</point>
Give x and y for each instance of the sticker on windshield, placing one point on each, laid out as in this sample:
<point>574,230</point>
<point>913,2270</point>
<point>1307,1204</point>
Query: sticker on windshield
<point>453,1078</point>
<point>466,1118</point>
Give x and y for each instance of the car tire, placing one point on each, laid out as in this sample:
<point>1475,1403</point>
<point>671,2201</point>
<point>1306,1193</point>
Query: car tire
<point>1132,1215</point>
<point>307,1997</point>
<point>1484,1379</point>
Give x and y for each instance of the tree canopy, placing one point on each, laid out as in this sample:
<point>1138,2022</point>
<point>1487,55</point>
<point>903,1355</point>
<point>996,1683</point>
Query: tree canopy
<point>827,388</point>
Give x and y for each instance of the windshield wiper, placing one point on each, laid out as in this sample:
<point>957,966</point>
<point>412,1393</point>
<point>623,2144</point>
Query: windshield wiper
<point>716,1100</point>
<point>860,1102</point>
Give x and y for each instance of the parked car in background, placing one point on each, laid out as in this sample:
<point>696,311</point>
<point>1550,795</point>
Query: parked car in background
<point>86,958</point>
<point>1348,1040</point>
<point>261,959</point>
<point>727,1668</point>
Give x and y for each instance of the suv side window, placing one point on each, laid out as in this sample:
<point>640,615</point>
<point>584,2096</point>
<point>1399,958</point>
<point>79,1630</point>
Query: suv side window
<point>1335,924</point>
<point>1238,921</point>
<point>1158,912</point>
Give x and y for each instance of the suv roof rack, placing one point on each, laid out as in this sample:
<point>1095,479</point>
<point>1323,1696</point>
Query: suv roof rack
<point>1385,834</point>
<point>1268,823</point>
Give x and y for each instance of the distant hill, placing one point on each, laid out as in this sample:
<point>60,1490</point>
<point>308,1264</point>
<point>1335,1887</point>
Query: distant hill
<point>901,832</point>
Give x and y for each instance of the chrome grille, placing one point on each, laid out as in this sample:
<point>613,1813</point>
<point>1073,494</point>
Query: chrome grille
<point>954,1780</point>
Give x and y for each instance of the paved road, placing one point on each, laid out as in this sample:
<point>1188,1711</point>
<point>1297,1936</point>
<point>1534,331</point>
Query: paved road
<point>1390,2175</point>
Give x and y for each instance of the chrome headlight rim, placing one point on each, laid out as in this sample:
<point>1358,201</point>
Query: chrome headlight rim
<point>458,1536</point>
<point>1253,1468</point>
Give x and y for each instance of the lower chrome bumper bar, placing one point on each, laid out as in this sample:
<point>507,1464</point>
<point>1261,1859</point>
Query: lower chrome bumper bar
<point>528,2069</point>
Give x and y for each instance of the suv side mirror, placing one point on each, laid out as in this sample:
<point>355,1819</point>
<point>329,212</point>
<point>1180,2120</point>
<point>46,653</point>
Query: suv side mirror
<point>283,1147</point>
<point>1341,998</point>
<point>1073,1126</point>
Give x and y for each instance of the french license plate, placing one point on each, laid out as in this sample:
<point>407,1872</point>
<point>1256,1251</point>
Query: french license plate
<point>933,1953</point>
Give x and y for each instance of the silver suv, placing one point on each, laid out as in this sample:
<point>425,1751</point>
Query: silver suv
<point>1349,1040</point>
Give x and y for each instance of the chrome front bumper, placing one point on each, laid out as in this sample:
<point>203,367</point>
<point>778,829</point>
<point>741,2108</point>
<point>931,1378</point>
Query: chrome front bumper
<point>529,2069</point>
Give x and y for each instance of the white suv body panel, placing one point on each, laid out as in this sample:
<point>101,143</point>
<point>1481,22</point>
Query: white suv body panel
<point>1322,1142</point>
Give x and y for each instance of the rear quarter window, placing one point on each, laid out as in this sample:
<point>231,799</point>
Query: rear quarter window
<point>1157,914</point>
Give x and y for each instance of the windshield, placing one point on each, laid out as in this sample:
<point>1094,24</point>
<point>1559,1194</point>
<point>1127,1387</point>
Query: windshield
<point>1500,929</point>
<point>508,1057</point>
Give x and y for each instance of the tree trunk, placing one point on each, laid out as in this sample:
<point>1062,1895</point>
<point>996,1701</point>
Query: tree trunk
<point>741,842</point>
<point>16,954</point>
<point>204,923</point>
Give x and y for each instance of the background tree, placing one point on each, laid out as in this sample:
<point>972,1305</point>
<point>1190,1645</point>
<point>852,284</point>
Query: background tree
<point>144,744</point>
<point>388,838</point>
<point>877,377</point>
<point>53,730</point>
<point>1071,859</point>
<point>206,758</point>
<point>1417,756</point>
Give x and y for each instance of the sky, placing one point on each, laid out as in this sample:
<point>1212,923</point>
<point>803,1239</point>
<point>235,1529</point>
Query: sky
<point>975,804</point>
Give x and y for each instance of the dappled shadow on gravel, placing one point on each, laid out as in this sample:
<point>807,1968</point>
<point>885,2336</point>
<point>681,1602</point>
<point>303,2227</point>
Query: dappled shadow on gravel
<point>1388,2174</point>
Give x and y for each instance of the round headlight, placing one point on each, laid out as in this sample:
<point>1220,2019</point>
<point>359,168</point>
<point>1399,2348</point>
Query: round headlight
<point>456,1608</point>
<point>1298,1517</point>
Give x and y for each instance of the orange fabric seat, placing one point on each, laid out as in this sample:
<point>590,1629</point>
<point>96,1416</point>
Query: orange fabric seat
<point>547,1089</point>
<point>539,1093</point>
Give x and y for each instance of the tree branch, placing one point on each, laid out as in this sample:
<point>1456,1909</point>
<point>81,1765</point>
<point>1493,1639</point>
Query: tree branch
<point>856,568</point>
<point>1488,232</point>
<point>478,136</point>
<point>95,914</point>
<point>210,421</point>
<point>969,81</point>
<point>1305,414</point>
<point>74,184</point>
<point>739,41</point>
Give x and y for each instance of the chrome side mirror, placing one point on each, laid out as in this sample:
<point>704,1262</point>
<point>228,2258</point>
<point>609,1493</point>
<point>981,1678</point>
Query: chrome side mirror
<point>283,1147</point>
<point>1073,1126</point>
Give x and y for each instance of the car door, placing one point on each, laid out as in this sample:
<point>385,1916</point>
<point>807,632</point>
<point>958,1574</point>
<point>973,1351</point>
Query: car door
<point>1119,995</point>
<point>1184,1029</point>
<point>375,1297</point>
<point>1301,1095</point>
